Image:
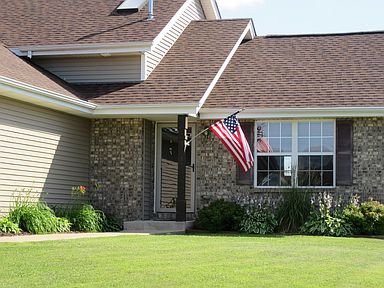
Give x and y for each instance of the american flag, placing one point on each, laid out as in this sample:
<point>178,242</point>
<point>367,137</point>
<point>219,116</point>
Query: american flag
<point>262,143</point>
<point>231,135</point>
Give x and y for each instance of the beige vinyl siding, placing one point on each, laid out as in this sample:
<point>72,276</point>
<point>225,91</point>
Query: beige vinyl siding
<point>94,69</point>
<point>193,11</point>
<point>42,150</point>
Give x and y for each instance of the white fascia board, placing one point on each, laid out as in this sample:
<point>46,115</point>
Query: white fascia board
<point>294,113</point>
<point>224,66</point>
<point>144,109</point>
<point>83,49</point>
<point>211,9</point>
<point>28,93</point>
<point>171,22</point>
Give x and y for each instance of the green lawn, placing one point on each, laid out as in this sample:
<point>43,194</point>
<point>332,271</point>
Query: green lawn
<point>194,261</point>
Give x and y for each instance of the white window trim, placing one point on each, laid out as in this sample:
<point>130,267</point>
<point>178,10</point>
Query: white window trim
<point>295,153</point>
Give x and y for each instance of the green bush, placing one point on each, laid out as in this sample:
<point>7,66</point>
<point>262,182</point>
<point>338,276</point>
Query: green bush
<point>326,223</point>
<point>367,218</point>
<point>7,226</point>
<point>220,215</point>
<point>110,224</point>
<point>62,225</point>
<point>36,218</point>
<point>330,224</point>
<point>258,221</point>
<point>87,219</point>
<point>294,210</point>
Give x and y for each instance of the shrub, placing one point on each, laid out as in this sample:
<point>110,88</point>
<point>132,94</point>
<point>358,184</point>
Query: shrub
<point>110,224</point>
<point>325,223</point>
<point>258,221</point>
<point>35,218</point>
<point>87,219</point>
<point>7,226</point>
<point>367,218</point>
<point>62,225</point>
<point>294,210</point>
<point>220,215</point>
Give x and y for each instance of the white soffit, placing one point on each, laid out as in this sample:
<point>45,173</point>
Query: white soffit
<point>132,5</point>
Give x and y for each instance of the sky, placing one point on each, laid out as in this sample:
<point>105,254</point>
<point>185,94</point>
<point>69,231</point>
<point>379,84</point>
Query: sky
<point>273,17</point>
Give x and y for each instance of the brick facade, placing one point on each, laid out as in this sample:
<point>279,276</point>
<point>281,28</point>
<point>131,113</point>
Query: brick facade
<point>216,173</point>
<point>117,167</point>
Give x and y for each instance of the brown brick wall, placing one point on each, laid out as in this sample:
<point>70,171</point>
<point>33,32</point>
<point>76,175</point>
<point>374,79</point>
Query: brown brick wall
<point>216,173</point>
<point>117,167</point>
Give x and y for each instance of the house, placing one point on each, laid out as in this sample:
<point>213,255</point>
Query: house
<point>91,91</point>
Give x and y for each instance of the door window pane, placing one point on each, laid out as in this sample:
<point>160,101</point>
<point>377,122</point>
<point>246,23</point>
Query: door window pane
<point>169,169</point>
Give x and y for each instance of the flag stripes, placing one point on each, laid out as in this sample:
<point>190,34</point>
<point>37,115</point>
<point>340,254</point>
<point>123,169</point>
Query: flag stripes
<point>231,135</point>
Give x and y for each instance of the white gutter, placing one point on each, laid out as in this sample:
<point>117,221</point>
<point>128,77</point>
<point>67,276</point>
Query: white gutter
<point>28,93</point>
<point>291,113</point>
<point>35,95</point>
<point>144,109</point>
<point>83,49</point>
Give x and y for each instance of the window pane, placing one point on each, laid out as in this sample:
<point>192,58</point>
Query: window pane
<point>315,129</point>
<point>327,178</point>
<point>274,129</point>
<point>303,162</point>
<point>315,178</point>
<point>274,179</point>
<point>275,144</point>
<point>327,144</point>
<point>328,128</point>
<point>262,163</point>
<point>303,129</point>
<point>286,179</point>
<point>315,162</point>
<point>327,162</point>
<point>286,145</point>
<point>303,144</point>
<point>275,163</point>
<point>286,129</point>
<point>303,178</point>
<point>262,179</point>
<point>315,144</point>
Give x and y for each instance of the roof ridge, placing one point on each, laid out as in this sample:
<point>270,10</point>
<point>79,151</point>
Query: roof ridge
<point>323,34</point>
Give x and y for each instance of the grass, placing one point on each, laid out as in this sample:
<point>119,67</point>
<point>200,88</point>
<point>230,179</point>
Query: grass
<point>194,261</point>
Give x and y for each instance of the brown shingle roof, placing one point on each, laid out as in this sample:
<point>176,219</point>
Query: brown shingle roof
<point>21,70</point>
<point>186,71</point>
<point>54,22</point>
<point>303,72</point>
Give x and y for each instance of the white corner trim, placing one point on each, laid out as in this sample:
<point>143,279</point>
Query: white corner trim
<point>224,66</point>
<point>294,113</point>
<point>83,49</point>
<point>143,64</point>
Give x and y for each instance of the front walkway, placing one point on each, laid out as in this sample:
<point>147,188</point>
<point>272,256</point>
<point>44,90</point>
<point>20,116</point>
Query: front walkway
<point>66,236</point>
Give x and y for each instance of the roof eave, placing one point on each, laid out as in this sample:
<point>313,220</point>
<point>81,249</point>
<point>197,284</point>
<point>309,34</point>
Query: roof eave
<point>83,49</point>
<point>293,113</point>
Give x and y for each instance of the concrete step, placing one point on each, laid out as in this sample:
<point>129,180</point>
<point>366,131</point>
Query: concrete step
<point>157,227</point>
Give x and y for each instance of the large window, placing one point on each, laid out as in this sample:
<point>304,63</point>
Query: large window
<point>295,153</point>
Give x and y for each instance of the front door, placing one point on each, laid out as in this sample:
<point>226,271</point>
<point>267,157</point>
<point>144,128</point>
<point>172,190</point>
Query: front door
<point>167,169</point>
